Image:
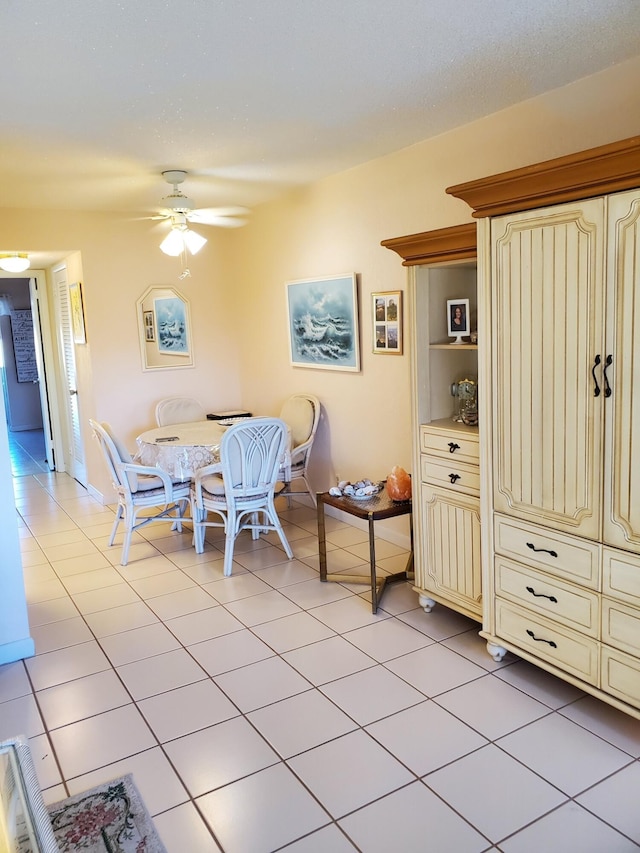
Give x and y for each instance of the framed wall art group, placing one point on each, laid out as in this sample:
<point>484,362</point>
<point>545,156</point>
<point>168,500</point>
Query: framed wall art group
<point>386,311</point>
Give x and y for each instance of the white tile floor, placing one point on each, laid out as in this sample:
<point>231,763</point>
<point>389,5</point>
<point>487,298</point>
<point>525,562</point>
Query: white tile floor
<point>267,710</point>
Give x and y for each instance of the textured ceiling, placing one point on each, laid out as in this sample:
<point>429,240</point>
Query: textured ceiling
<point>256,96</point>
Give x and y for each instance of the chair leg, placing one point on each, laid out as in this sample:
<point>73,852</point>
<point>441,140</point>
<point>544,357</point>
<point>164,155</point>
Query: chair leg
<point>182,510</point>
<point>309,490</point>
<point>274,518</point>
<point>285,543</point>
<point>199,516</point>
<point>129,521</point>
<point>228,551</point>
<point>116,522</point>
<point>255,530</point>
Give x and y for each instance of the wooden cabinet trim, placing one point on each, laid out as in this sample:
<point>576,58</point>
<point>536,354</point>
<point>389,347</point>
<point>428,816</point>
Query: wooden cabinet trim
<point>457,243</point>
<point>597,171</point>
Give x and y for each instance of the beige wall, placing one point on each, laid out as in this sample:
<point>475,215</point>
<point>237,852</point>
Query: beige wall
<point>336,226</point>
<point>237,288</point>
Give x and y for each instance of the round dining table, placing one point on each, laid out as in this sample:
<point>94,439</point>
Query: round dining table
<point>180,449</point>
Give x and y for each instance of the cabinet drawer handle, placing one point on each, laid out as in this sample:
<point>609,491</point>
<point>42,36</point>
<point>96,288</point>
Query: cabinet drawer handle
<point>607,387</point>
<point>454,477</point>
<point>596,389</point>
<point>543,550</point>
<point>540,640</point>
<point>542,595</point>
<point>453,447</point>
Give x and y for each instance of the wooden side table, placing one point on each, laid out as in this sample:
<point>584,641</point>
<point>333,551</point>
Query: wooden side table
<point>373,509</point>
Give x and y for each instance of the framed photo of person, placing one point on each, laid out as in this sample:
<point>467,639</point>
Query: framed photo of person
<point>458,323</point>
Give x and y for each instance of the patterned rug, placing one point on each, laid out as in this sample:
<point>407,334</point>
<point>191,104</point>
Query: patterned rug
<point>111,818</point>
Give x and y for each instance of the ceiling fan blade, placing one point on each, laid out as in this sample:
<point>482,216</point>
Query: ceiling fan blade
<point>213,215</point>
<point>222,211</point>
<point>222,222</point>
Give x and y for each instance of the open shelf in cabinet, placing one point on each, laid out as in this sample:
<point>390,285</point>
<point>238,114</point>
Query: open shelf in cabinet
<point>457,346</point>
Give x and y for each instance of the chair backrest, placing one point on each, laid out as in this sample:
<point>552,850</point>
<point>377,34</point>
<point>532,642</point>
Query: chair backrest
<point>179,410</point>
<point>251,453</point>
<point>115,454</point>
<point>301,412</point>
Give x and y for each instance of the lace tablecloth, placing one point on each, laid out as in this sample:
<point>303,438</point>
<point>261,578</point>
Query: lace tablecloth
<point>192,446</point>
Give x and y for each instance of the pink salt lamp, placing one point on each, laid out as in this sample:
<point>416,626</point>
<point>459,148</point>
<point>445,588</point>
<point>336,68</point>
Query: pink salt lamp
<point>399,484</point>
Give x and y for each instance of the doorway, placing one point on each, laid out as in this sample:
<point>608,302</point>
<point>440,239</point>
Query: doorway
<point>52,382</point>
<point>20,378</point>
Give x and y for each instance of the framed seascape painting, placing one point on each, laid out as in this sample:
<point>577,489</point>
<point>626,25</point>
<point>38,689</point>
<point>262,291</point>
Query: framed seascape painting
<point>323,323</point>
<point>387,322</point>
<point>171,325</point>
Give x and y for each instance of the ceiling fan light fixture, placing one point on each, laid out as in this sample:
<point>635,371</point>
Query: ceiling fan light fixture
<point>173,243</point>
<point>14,261</point>
<point>179,239</point>
<point>194,242</point>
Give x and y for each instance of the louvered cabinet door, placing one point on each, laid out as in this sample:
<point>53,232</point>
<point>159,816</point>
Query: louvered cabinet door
<point>548,336</point>
<point>452,573</point>
<point>622,472</point>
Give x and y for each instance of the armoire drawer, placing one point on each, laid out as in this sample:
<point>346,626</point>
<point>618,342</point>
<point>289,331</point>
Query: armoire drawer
<point>451,474</point>
<point>560,554</point>
<point>455,444</point>
<point>550,641</point>
<point>621,675</point>
<point>567,603</point>
<point>621,575</point>
<point>621,626</point>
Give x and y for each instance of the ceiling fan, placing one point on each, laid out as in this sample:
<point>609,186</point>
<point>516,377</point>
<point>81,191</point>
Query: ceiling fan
<point>180,212</point>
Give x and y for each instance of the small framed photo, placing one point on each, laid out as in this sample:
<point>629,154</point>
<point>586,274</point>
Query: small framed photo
<point>458,322</point>
<point>149,326</point>
<point>386,315</point>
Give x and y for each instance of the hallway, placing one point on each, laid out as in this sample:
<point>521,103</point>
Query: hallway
<point>27,450</point>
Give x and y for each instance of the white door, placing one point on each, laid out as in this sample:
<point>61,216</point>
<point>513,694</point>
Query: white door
<point>73,435</point>
<point>40,317</point>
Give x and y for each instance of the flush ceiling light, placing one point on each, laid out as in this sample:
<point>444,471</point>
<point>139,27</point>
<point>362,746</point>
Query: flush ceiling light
<point>14,262</point>
<point>179,239</point>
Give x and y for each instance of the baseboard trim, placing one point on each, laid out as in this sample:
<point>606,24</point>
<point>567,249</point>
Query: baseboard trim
<point>96,494</point>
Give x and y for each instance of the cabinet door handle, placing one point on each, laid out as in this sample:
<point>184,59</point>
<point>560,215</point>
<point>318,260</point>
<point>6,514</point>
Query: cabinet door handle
<point>543,550</point>
<point>607,387</point>
<point>540,640</point>
<point>453,447</point>
<point>454,477</point>
<point>542,595</point>
<point>596,389</point>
